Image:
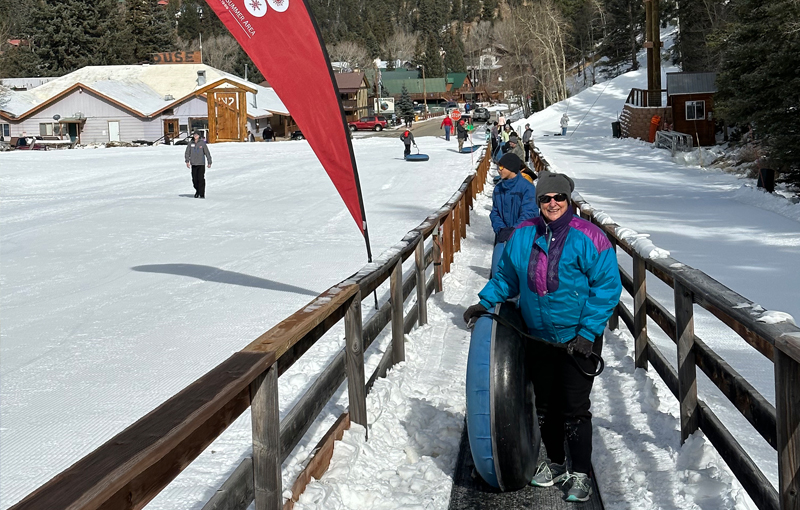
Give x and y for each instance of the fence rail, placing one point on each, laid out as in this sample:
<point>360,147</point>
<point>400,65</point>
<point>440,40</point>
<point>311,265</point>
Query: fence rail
<point>130,469</point>
<point>779,425</point>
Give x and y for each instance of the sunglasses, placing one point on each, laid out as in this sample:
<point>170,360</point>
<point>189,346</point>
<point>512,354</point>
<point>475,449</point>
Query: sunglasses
<point>560,197</point>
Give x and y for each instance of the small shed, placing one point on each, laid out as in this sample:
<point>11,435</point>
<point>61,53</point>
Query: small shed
<point>691,97</point>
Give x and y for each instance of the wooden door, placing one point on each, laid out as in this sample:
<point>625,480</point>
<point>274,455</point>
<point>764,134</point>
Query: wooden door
<point>170,129</point>
<point>227,115</point>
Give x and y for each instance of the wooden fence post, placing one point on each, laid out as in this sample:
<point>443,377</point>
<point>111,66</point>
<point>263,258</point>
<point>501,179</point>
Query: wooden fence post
<point>613,321</point>
<point>396,291</point>
<point>266,426</point>
<point>687,375</point>
<point>456,227</point>
<point>787,408</point>
<point>464,215</point>
<point>451,248</point>
<point>640,310</point>
<point>354,362</point>
<point>419,263</point>
<point>437,257</point>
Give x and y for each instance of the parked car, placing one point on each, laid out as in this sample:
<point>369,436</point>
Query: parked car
<point>297,135</point>
<point>373,122</point>
<point>481,114</point>
<point>450,105</point>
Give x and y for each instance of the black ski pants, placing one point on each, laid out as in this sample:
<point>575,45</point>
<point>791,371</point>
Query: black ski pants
<point>199,179</point>
<point>562,402</point>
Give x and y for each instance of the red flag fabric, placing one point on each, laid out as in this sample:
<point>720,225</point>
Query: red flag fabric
<point>282,39</point>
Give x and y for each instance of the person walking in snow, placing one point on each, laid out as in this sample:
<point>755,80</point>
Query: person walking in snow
<point>461,134</point>
<point>501,120</point>
<point>565,272</point>
<point>408,139</point>
<point>527,142</point>
<point>564,123</point>
<point>447,124</point>
<point>196,154</point>
<point>268,133</point>
<point>513,199</point>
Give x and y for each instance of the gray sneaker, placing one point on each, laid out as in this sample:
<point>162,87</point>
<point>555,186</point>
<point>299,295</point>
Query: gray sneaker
<point>548,474</point>
<point>579,487</point>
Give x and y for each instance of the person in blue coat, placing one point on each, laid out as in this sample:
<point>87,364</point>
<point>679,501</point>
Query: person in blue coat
<point>565,272</point>
<point>513,200</point>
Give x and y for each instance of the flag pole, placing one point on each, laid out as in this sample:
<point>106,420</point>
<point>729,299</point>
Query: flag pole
<point>364,229</point>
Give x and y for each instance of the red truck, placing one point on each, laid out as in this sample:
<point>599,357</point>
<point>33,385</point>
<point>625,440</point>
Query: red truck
<point>373,122</point>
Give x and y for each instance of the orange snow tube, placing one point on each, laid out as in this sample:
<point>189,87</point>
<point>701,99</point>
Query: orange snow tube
<point>654,122</point>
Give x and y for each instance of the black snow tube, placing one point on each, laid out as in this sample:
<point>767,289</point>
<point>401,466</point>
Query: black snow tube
<point>506,460</point>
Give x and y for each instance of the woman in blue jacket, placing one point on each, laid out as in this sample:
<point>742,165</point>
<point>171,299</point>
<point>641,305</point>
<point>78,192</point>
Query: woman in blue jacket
<point>565,272</point>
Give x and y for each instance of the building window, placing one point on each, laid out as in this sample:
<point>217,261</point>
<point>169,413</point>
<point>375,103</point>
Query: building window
<point>46,129</point>
<point>695,110</point>
<point>5,130</point>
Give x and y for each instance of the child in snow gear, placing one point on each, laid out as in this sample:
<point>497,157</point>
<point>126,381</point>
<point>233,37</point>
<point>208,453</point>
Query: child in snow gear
<point>461,133</point>
<point>408,139</point>
<point>564,123</point>
<point>513,199</point>
<point>196,154</point>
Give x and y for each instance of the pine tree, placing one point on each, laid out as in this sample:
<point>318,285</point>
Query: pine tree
<point>624,27</point>
<point>698,20</point>
<point>431,60</point>
<point>71,35</point>
<point>454,55</point>
<point>759,83</point>
<point>189,21</point>
<point>405,105</point>
<point>489,9</point>
<point>149,29</point>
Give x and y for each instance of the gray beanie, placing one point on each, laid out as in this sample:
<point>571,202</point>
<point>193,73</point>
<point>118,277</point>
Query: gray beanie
<point>550,182</point>
<point>513,139</point>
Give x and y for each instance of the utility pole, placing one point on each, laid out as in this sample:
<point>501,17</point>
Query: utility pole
<point>424,92</point>
<point>653,44</point>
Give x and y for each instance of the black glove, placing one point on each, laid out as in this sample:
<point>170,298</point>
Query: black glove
<point>473,312</point>
<point>503,235</point>
<point>580,345</point>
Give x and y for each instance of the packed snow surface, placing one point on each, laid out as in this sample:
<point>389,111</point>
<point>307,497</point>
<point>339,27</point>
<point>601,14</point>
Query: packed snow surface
<point>120,289</point>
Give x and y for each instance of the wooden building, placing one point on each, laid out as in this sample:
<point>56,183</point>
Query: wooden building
<point>153,103</point>
<point>354,92</point>
<point>691,98</point>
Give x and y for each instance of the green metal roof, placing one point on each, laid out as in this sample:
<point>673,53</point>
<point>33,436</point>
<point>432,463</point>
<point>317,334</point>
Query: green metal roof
<point>457,79</point>
<point>399,74</point>
<point>432,86</point>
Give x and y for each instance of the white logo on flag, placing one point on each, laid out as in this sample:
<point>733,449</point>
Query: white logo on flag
<point>256,7</point>
<point>279,5</point>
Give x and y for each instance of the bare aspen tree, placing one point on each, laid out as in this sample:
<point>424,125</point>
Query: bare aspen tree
<point>351,53</point>
<point>400,46</point>
<point>219,51</point>
<point>480,40</point>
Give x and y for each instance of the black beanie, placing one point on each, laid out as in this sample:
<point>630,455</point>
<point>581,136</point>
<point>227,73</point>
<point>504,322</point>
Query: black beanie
<point>510,162</point>
<point>550,182</point>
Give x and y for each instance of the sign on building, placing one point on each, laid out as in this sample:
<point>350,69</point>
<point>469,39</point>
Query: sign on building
<point>384,105</point>
<point>176,57</point>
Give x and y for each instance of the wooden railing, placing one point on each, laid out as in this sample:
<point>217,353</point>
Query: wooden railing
<point>130,469</point>
<point>778,425</point>
<point>640,97</point>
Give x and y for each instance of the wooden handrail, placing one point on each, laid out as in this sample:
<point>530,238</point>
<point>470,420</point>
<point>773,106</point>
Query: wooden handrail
<point>133,467</point>
<point>778,342</point>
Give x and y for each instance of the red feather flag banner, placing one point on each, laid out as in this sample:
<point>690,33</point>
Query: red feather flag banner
<point>283,40</point>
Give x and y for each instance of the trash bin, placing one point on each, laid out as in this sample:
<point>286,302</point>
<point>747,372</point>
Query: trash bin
<point>766,179</point>
<point>616,129</point>
<point>654,122</point>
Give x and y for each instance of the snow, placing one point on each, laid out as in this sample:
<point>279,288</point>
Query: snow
<point>119,289</point>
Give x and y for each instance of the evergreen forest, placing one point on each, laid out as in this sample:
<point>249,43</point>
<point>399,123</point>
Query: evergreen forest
<point>753,45</point>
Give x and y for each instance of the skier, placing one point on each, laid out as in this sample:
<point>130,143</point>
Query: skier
<point>408,140</point>
<point>564,123</point>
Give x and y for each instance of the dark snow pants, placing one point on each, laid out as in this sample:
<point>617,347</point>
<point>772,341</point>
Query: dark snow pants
<point>408,150</point>
<point>199,179</point>
<point>562,402</point>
